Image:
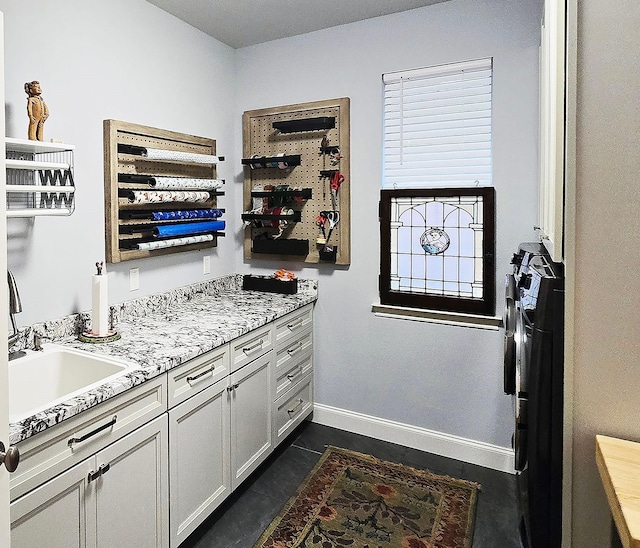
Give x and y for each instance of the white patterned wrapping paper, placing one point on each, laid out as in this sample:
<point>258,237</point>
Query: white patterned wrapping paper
<point>176,156</point>
<point>161,196</point>
<point>185,183</point>
<point>174,242</point>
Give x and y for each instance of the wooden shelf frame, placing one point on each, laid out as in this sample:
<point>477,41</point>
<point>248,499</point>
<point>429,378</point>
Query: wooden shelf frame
<point>118,132</point>
<point>262,138</point>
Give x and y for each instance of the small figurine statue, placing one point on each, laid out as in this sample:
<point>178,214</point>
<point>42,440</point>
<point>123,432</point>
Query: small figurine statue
<point>37,111</point>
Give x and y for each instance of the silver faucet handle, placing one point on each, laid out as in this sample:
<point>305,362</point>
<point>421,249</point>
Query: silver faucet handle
<point>37,341</point>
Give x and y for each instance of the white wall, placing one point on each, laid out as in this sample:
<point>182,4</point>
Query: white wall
<point>605,204</point>
<point>88,56</point>
<point>443,378</point>
<point>98,59</point>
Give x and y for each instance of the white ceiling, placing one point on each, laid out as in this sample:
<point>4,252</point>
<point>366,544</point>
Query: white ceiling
<point>240,23</point>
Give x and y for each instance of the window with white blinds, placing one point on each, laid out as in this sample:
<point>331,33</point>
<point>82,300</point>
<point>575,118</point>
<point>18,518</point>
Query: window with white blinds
<point>437,126</point>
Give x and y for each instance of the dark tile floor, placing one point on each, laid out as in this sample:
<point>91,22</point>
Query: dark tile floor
<point>240,520</point>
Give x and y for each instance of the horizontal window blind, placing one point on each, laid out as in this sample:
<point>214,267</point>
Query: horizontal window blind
<point>437,126</point>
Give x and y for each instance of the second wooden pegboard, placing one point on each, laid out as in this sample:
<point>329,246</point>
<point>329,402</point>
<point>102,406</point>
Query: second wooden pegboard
<point>291,155</point>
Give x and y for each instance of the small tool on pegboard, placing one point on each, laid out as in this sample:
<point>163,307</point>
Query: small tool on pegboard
<point>321,221</point>
<point>336,180</point>
<point>328,252</point>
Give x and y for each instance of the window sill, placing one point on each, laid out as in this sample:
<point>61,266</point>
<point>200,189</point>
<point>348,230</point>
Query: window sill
<point>436,316</point>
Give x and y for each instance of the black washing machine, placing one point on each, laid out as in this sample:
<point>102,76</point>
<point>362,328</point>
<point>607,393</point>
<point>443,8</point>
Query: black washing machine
<point>533,375</point>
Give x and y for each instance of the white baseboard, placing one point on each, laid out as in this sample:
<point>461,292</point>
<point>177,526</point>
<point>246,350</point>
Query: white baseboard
<point>446,445</point>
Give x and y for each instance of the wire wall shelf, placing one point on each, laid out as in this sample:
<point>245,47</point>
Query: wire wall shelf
<point>40,178</point>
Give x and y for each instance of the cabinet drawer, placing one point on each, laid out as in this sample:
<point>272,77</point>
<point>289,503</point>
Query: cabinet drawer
<point>197,374</point>
<point>291,350</point>
<point>292,324</point>
<point>57,449</point>
<point>289,374</point>
<point>292,408</point>
<point>251,346</point>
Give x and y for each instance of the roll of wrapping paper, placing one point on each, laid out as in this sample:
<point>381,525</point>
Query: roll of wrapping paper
<point>175,242</point>
<point>185,183</point>
<point>165,196</point>
<point>161,154</point>
<point>187,229</point>
<point>187,214</point>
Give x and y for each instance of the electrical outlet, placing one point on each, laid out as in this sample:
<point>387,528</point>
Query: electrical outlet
<point>134,279</point>
<point>206,264</point>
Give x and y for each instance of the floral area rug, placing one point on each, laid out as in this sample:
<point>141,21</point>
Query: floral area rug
<point>358,501</point>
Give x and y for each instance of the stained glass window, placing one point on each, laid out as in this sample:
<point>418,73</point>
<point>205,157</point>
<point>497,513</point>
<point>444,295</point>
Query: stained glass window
<point>437,206</point>
<point>438,249</point>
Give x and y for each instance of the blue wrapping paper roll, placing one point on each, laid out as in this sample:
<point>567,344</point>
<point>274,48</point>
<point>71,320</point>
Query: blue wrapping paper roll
<point>187,214</point>
<point>187,228</point>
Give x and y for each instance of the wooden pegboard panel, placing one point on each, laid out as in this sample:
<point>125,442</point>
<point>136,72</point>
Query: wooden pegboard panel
<point>260,139</point>
<point>115,162</point>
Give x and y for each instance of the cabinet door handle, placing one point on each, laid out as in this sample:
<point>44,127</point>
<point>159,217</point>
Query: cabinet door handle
<point>232,387</point>
<point>93,432</point>
<point>291,376</point>
<point>104,468</point>
<point>295,325</point>
<point>249,349</point>
<point>296,407</point>
<point>10,457</point>
<point>296,348</point>
<point>200,375</point>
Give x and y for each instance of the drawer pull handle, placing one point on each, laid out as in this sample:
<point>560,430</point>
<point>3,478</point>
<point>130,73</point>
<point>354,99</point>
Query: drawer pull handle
<point>200,375</point>
<point>296,348</point>
<point>93,432</point>
<point>291,376</point>
<point>296,407</point>
<point>295,324</point>
<point>249,349</point>
<point>104,468</point>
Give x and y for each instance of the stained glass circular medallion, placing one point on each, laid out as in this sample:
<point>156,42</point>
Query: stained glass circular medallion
<point>434,240</point>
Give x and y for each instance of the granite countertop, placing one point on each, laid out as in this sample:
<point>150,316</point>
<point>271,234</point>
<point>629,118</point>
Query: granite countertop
<point>159,333</point>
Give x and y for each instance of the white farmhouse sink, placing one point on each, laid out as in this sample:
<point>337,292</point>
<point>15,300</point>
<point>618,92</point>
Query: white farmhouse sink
<point>42,379</point>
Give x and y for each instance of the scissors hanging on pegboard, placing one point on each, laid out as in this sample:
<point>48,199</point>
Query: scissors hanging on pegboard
<point>337,179</point>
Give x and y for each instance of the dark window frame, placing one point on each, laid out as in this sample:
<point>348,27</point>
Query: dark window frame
<point>477,306</point>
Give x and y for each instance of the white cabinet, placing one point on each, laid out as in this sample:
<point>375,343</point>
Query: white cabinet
<point>54,514</point>
<point>291,409</point>
<point>552,128</point>
<point>293,361</point>
<point>132,497</point>
<point>197,374</point>
<point>291,325</point>
<point>220,431</point>
<point>250,346</point>
<point>292,376</point>
<point>59,448</point>
<point>199,467</point>
<point>118,497</point>
<point>149,466</point>
<point>251,431</point>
